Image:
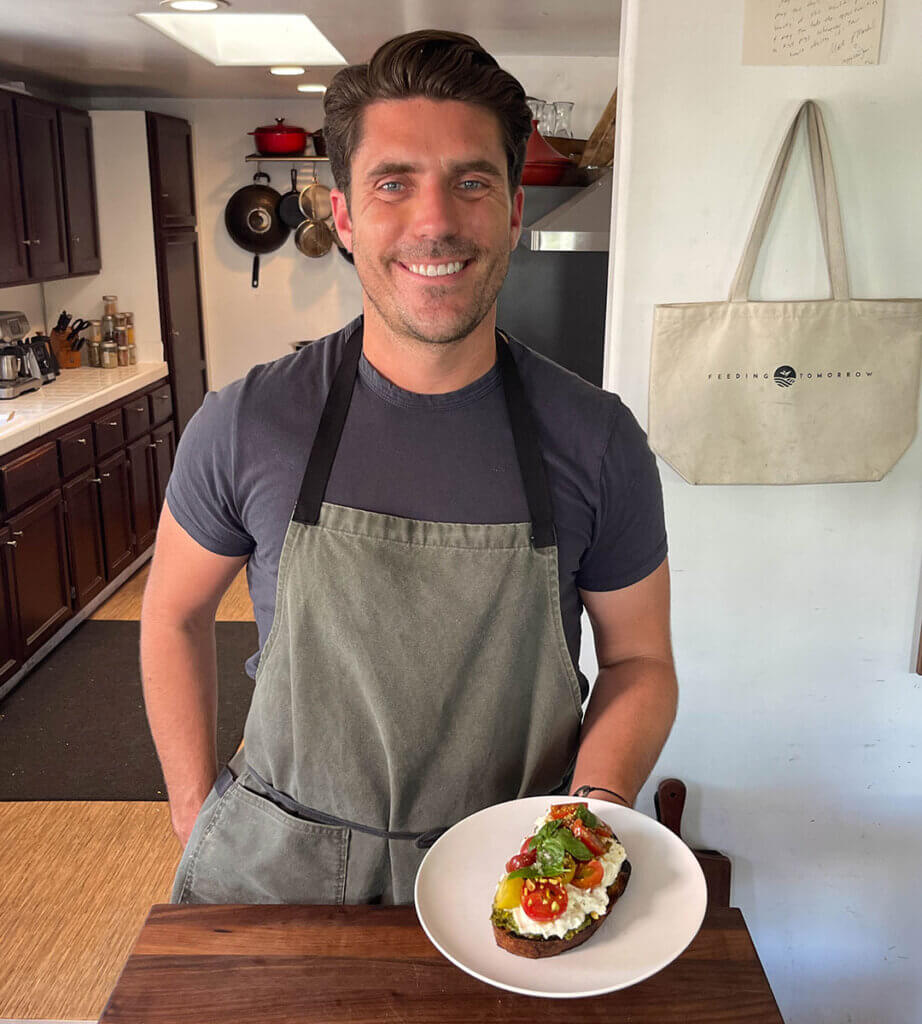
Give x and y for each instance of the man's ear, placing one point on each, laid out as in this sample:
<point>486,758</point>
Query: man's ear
<point>341,217</point>
<point>515,222</point>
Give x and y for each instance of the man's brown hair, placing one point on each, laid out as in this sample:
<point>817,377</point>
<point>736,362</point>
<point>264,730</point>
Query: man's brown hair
<point>434,64</point>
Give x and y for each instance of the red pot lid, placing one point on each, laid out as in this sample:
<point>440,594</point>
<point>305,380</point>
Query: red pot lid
<point>279,128</point>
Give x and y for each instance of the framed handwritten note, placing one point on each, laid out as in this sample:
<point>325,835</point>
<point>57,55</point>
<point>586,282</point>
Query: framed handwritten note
<point>817,32</point>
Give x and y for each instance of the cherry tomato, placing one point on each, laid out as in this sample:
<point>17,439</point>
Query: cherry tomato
<point>603,830</point>
<point>587,837</point>
<point>524,847</point>
<point>588,874</point>
<point>509,893</point>
<point>545,902</point>
<point>521,860</point>
<point>565,810</point>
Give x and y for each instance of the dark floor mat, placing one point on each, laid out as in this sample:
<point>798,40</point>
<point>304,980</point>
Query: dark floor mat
<point>75,727</point>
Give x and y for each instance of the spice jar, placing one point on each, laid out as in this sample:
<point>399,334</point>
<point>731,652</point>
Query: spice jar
<point>122,352</point>
<point>110,305</point>
<point>108,354</point>
<point>107,326</point>
<point>129,327</point>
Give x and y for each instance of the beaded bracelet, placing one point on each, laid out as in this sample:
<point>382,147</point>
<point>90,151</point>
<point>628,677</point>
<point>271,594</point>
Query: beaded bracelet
<point>586,790</point>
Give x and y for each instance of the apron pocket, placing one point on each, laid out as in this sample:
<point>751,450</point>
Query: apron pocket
<point>253,851</point>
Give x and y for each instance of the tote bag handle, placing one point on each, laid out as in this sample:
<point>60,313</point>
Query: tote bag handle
<point>827,205</point>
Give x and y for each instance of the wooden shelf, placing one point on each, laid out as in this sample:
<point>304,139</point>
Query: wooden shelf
<point>259,158</point>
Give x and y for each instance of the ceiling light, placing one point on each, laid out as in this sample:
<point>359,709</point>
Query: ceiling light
<point>312,88</point>
<point>248,40</point>
<point>286,70</point>
<point>194,6</point>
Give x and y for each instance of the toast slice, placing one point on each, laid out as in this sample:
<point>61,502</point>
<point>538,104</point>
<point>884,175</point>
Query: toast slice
<point>537,946</point>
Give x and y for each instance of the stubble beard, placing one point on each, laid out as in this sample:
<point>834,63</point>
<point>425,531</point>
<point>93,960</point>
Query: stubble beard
<point>405,322</point>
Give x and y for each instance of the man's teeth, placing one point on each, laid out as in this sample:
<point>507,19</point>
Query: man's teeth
<point>436,270</point>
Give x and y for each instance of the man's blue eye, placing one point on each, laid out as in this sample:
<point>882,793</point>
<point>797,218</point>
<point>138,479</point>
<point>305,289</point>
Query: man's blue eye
<point>472,181</point>
<point>386,183</point>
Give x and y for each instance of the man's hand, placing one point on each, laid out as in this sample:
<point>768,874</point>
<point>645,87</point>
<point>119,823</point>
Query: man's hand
<point>183,814</point>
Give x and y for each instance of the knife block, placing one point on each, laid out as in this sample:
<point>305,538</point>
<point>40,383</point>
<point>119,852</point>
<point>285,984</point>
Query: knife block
<point>67,358</point>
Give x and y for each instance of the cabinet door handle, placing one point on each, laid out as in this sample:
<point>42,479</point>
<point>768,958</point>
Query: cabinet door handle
<point>113,423</point>
<point>17,533</point>
<point>36,241</point>
<point>106,476</point>
<point>81,440</point>
<point>163,398</point>
<point>76,239</point>
<point>164,195</point>
<point>27,241</point>
<point>12,543</point>
<point>175,334</point>
<point>140,408</point>
<point>95,480</point>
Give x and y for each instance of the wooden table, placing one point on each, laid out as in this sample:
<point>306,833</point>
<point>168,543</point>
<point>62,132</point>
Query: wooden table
<point>274,964</point>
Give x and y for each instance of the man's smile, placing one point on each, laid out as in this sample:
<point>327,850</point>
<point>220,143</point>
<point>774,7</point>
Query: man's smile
<point>437,273</point>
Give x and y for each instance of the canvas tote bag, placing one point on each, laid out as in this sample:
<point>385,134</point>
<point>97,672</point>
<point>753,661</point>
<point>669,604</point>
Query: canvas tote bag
<point>824,391</point>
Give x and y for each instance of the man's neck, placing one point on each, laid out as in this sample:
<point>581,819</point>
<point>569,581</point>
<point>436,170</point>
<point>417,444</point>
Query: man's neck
<point>426,368</point>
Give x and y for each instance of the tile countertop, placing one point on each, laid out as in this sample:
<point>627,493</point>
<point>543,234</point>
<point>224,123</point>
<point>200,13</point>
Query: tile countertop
<point>69,396</point>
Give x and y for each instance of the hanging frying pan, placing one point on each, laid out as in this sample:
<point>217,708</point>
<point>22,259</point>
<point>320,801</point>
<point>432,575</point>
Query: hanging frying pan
<point>289,206</point>
<point>313,238</point>
<point>252,221</point>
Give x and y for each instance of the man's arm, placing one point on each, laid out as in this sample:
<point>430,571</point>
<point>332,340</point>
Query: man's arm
<point>633,703</point>
<point>179,665</point>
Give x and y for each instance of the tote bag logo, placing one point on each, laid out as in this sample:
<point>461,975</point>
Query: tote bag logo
<point>785,376</point>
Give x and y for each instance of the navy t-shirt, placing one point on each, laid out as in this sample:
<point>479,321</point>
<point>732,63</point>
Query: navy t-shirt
<point>441,458</point>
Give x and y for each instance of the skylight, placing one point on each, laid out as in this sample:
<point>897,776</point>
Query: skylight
<point>248,40</point>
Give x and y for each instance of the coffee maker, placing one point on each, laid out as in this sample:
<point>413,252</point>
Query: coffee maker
<point>19,366</point>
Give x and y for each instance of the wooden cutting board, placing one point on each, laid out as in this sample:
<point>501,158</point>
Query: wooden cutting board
<point>279,964</point>
<point>669,802</point>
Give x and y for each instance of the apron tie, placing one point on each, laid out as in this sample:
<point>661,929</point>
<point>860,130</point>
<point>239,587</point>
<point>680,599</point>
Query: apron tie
<point>423,840</point>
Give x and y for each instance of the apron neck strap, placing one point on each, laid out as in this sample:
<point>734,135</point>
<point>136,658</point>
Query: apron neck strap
<point>333,419</point>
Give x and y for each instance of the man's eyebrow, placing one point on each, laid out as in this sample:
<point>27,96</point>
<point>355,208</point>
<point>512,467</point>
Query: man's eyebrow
<point>458,167</point>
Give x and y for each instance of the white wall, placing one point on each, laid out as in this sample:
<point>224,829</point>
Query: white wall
<point>298,297</point>
<point>795,617</point>
<point>126,233</point>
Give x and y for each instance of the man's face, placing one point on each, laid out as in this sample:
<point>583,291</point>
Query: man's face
<point>429,188</point>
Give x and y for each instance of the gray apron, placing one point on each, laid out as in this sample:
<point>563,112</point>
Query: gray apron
<point>415,672</point>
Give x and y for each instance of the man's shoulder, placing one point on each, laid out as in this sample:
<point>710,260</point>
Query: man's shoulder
<point>557,392</point>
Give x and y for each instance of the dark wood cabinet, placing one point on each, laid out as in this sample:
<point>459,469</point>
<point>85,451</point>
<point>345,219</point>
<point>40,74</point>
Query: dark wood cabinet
<point>143,486</point>
<point>169,142</point>
<point>182,320</point>
<point>115,505</point>
<point>169,148</point>
<point>42,187</point>
<point>163,445</point>
<point>77,507</point>
<point>49,227</point>
<point>40,571</point>
<point>10,647</point>
<point>82,221</point>
<point>14,267</point>
<point>84,538</point>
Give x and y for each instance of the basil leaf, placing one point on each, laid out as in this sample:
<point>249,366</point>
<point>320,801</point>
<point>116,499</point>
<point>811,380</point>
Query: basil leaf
<point>587,817</point>
<point>528,872</point>
<point>575,847</point>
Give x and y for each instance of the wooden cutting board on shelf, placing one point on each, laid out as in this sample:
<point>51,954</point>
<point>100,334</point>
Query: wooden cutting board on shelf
<point>669,802</point>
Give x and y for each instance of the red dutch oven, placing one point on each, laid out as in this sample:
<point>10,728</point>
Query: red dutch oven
<point>543,164</point>
<point>280,139</point>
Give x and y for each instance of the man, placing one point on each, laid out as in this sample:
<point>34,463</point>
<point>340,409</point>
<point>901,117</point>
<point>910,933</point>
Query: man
<point>457,500</point>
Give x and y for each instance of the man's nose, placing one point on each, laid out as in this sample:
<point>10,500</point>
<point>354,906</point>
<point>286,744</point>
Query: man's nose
<point>436,212</point>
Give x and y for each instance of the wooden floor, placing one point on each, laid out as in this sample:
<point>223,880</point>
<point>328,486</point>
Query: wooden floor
<point>77,879</point>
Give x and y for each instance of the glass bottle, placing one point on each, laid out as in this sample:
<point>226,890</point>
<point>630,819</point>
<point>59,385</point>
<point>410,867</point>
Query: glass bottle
<point>108,354</point>
<point>94,342</point>
<point>562,111</point>
<point>110,305</point>
<point>132,348</point>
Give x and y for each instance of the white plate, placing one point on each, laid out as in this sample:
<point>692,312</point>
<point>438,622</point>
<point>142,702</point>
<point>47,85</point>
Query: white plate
<point>650,925</point>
